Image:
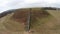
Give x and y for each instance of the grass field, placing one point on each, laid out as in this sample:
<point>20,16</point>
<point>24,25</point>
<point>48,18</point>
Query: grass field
<point>42,22</point>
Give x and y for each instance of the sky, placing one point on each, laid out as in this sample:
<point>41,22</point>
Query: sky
<point>15,4</point>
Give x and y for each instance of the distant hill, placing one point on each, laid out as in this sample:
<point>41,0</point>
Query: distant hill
<point>50,8</point>
<point>5,13</point>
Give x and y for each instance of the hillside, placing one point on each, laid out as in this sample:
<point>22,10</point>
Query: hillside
<point>41,21</point>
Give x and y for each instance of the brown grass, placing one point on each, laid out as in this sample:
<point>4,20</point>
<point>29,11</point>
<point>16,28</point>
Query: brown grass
<point>42,22</point>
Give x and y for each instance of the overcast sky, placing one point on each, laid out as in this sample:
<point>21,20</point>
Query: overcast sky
<point>14,4</point>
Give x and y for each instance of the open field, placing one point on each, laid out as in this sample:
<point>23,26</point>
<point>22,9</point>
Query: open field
<point>42,22</point>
